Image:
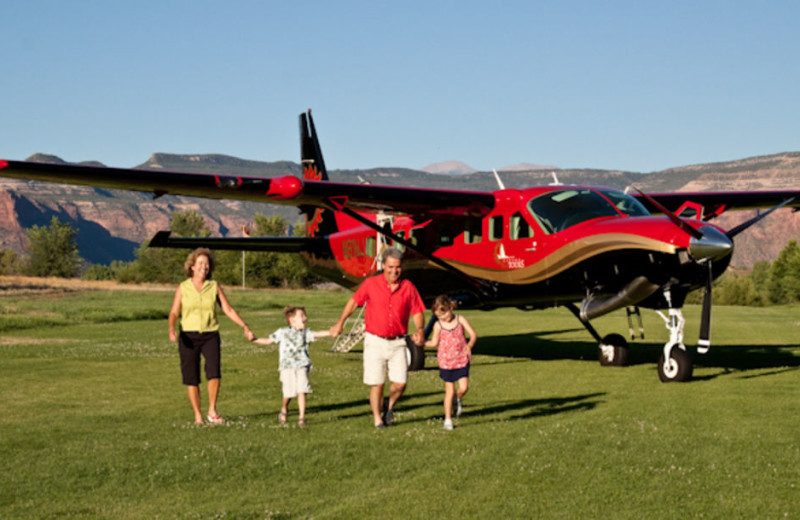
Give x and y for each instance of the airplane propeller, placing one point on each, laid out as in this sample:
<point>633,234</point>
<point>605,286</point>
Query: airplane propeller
<point>741,227</point>
<point>704,342</point>
<point>706,245</point>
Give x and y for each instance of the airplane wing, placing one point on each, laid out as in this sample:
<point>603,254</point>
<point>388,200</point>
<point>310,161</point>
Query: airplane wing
<point>288,190</point>
<point>716,202</point>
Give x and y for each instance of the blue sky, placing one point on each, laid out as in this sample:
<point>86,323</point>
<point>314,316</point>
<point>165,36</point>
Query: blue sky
<point>632,85</point>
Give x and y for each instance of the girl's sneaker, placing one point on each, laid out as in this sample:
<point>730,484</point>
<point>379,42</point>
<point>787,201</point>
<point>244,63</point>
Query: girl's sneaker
<point>448,424</point>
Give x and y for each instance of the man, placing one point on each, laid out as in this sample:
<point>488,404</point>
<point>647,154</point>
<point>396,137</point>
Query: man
<point>391,301</point>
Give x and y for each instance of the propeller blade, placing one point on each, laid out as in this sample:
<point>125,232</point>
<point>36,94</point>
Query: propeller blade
<point>741,227</point>
<point>672,216</point>
<point>704,343</point>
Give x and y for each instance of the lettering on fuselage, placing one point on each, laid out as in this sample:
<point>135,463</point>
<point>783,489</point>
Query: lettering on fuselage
<point>354,247</point>
<point>505,261</point>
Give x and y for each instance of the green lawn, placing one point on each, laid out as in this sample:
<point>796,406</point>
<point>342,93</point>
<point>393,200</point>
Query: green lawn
<point>96,423</point>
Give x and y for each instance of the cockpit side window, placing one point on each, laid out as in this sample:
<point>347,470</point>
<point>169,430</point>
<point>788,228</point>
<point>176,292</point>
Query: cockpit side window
<point>558,210</point>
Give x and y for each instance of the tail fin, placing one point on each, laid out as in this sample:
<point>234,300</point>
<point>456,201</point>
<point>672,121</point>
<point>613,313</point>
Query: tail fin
<point>319,222</point>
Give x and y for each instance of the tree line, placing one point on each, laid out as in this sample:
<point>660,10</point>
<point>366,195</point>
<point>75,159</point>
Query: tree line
<point>52,251</point>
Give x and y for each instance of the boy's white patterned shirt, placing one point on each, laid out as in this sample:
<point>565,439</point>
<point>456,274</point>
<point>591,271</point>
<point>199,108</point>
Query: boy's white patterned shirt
<point>293,347</point>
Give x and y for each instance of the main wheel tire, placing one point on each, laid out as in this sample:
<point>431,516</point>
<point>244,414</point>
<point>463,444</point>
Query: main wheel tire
<point>415,356</point>
<point>613,351</point>
<point>678,369</point>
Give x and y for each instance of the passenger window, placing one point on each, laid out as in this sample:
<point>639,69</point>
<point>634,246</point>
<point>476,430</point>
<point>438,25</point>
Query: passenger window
<point>371,243</point>
<point>398,245</point>
<point>519,227</point>
<point>496,228</point>
<point>445,234</point>
<point>472,231</point>
<point>414,236</point>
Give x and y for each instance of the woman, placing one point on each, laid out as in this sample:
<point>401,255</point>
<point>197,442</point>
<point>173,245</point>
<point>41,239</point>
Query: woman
<point>195,303</point>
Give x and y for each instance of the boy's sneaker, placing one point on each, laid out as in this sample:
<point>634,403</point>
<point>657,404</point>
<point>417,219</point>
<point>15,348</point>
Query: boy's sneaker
<point>457,409</point>
<point>448,424</point>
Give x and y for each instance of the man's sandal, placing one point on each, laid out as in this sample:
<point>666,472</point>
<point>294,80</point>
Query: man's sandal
<point>282,418</point>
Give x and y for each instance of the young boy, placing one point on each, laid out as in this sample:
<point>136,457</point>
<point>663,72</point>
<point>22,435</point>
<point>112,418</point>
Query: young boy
<point>294,362</point>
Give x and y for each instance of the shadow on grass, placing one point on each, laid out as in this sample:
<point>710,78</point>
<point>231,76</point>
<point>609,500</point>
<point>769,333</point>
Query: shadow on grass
<point>520,409</point>
<point>531,408</point>
<point>730,358</point>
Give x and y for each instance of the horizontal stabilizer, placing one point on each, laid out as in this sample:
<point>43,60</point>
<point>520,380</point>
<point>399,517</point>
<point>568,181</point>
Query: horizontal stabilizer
<point>275,244</point>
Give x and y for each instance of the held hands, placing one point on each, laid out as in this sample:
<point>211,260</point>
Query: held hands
<point>335,330</point>
<point>418,338</point>
<point>249,334</point>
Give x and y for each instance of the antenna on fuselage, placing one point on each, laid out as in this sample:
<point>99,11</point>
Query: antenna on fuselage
<point>555,180</point>
<point>499,181</point>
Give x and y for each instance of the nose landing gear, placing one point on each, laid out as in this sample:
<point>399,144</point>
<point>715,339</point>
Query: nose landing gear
<point>675,363</point>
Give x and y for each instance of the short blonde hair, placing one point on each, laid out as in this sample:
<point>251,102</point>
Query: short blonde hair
<point>192,258</point>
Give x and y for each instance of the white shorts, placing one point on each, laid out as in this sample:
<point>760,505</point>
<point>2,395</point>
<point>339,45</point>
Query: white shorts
<point>295,381</point>
<point>380,354</point>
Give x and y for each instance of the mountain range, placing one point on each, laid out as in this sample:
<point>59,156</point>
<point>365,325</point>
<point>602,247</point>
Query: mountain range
<point>112,223</point>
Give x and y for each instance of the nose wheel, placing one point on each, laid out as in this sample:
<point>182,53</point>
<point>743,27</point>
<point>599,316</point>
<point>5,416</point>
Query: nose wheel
<point>675,363</point>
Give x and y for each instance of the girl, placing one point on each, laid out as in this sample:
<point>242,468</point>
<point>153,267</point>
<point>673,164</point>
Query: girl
<point>455,353</point>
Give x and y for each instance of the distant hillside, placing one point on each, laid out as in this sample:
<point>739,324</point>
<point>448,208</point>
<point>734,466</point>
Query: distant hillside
<point>521,167</point>
<point>113,223</point>
<point>449,168</point>
<point>219,163</point>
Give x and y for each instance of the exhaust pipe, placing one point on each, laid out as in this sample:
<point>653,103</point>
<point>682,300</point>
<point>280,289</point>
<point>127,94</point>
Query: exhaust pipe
<point>633,293</point>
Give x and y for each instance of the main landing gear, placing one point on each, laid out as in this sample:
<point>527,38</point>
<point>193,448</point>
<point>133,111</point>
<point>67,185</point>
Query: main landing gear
<point>675,363</point>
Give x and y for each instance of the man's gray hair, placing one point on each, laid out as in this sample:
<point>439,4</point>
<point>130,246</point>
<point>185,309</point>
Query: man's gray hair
<point>391,252</point>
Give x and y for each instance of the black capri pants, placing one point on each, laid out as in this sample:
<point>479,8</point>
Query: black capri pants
<point>190,346</point>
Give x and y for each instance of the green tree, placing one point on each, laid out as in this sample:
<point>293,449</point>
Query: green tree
<point>783,282</point>
<point>739,289</point>
<point>52,250</point>
<point>164,265</point>
<point>10,262</point>
<point>267,269</point>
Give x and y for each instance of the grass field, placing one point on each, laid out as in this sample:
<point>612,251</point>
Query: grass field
<point>96,423</point>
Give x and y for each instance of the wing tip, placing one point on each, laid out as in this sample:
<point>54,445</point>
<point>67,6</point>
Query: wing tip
<point>3,164</point>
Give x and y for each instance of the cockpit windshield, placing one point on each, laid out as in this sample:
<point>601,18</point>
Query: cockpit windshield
<point>626,204</point>
<point>558,210</point>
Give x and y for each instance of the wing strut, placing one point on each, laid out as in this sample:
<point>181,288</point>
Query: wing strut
<point>485,288</point>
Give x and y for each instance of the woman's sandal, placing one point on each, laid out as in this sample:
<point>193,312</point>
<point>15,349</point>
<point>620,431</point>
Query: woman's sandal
<point>282,418</point>
<point>215,419</point>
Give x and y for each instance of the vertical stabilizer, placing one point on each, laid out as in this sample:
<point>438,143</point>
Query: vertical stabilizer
<point>319,222</point>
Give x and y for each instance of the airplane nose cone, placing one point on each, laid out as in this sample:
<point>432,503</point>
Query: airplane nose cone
<point>712,245</point>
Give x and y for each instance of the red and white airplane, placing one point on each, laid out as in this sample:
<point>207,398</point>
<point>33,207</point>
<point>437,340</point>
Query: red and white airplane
<point>592,250</point>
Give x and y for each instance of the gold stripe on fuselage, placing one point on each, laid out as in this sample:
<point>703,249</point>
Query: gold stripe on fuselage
<point>566,257</point>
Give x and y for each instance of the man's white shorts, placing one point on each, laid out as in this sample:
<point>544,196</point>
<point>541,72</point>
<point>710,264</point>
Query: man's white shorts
<point>380,354</point>
<point>295,381</point>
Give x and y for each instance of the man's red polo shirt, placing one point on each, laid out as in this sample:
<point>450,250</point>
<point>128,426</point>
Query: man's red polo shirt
<point>388,311</point>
